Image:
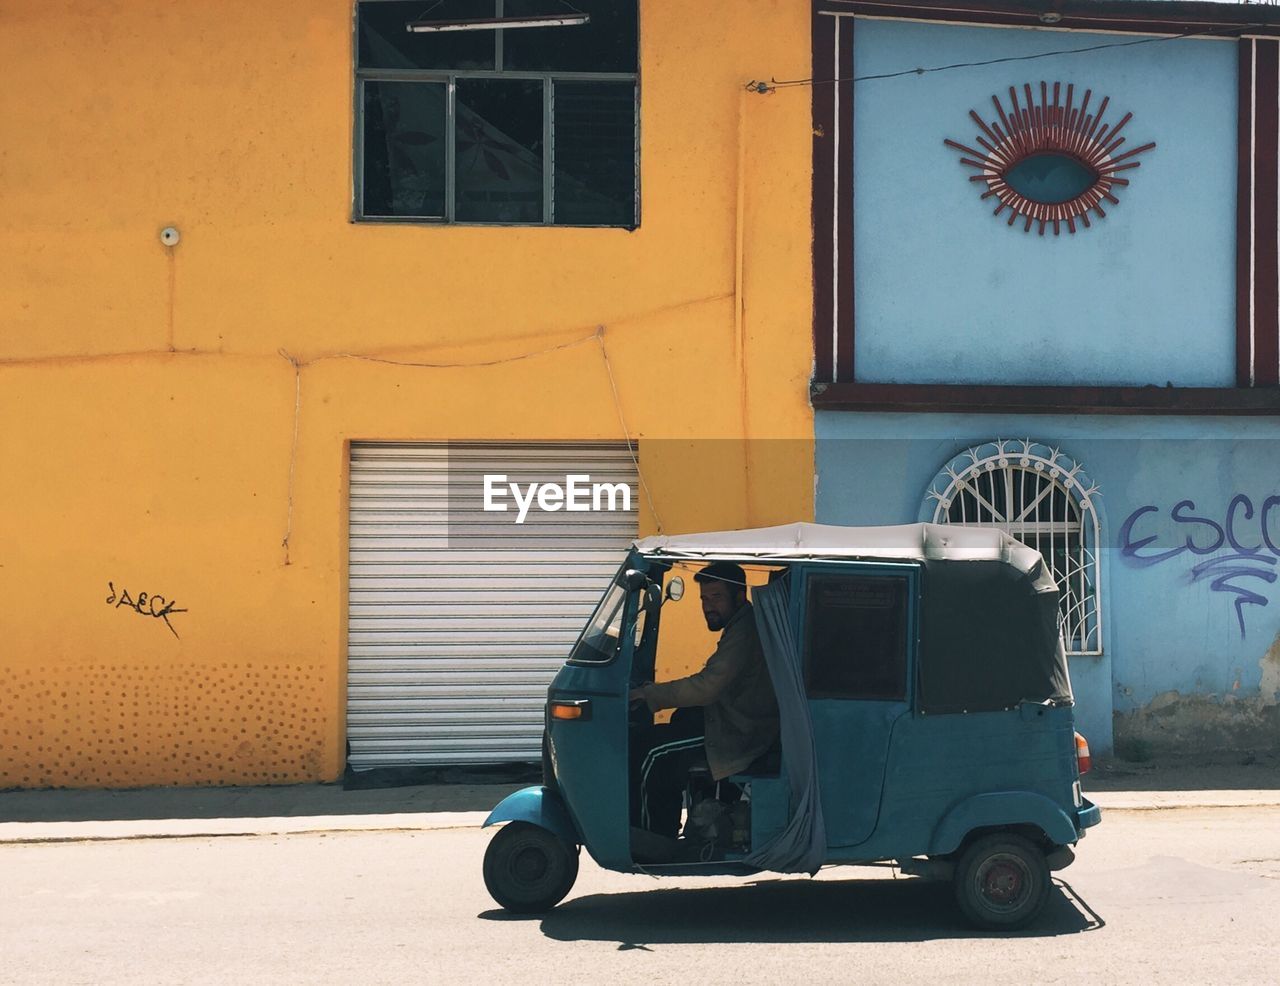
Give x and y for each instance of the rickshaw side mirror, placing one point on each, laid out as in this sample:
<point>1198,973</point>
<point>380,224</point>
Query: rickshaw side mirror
<point>635,579</point>
<point>675,589</point>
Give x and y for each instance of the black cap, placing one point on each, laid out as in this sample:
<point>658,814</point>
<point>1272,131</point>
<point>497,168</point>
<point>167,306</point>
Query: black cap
<point>723,571</point>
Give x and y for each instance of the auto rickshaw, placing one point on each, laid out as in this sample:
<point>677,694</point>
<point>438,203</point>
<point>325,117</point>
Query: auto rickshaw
<point>925,709</point>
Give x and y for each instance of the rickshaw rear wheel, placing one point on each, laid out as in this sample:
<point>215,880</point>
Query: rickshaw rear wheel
<point>528,869</point>
<point>1002,882</point>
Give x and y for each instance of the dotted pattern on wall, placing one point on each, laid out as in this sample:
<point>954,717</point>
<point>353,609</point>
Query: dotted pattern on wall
<point>131,726</point>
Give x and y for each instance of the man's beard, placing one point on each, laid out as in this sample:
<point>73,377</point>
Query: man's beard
<point>714,622</point>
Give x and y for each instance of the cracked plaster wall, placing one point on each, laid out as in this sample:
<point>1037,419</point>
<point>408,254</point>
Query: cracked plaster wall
<point>1238,718</point>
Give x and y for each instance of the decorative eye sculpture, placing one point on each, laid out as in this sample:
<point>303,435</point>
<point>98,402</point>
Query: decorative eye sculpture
<point>1052,161</point>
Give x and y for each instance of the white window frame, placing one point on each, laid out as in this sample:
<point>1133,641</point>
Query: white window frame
<point>1031,472</point>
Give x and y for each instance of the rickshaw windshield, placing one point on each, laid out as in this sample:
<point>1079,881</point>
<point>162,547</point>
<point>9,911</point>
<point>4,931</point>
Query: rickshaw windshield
<point>599,641</point>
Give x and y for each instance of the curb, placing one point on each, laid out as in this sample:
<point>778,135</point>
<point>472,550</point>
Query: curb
<point>28,833</point>
<point>209,828</point>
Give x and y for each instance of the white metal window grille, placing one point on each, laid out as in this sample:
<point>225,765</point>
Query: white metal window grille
<point>1044,500</point>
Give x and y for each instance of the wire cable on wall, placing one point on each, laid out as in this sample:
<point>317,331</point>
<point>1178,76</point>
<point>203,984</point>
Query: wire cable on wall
<point>293,447</point>
<point>617,403</point>
<point>767,88</point>
<point>453,366</point>
<point>598,336</point>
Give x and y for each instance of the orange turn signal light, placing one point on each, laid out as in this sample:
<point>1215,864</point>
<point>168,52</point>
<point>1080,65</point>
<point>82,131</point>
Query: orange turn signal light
<point>1084,762</point>
<point>579,709</point>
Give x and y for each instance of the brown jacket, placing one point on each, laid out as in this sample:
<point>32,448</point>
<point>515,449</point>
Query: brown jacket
<point>741,711</point>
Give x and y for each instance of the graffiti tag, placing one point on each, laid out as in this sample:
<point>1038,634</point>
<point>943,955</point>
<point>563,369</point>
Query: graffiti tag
<point>155,606</point>
<point>1246,531</point>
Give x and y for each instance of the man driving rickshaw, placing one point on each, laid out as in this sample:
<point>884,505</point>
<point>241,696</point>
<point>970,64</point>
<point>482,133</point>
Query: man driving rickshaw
<point>727,714</point>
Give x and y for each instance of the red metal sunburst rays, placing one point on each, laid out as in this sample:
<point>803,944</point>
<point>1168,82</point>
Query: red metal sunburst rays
<point>1050,127</point>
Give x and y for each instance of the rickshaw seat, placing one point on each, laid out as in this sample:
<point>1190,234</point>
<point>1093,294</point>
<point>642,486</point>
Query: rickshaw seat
<point>767,765</point>
<point>769,800</point>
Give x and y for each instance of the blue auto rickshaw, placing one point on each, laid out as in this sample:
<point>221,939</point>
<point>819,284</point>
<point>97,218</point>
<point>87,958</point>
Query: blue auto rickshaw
<point>926,721</point>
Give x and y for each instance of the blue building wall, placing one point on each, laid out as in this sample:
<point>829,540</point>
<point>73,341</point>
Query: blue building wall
<point>945,293</point>
<point>1191,620</point>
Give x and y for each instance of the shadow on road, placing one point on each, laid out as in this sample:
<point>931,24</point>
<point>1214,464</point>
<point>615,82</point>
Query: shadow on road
<point>785,911</point>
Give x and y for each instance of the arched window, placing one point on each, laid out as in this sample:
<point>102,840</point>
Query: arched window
<point>1043,499</point>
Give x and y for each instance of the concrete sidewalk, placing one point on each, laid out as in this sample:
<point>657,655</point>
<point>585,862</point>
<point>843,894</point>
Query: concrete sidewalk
<point>193,828</point>
<point>61,816</point>
<point>64,815</point>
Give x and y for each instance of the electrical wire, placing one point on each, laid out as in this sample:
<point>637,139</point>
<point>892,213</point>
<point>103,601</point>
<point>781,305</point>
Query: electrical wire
<point>293,446</point>
<point>768,88</point>
<point>299,365</point>
<point>519,357</point>
<point>617,404</point>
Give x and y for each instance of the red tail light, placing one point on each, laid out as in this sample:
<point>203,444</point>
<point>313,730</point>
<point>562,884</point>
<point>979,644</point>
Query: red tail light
<point>1084,761</point>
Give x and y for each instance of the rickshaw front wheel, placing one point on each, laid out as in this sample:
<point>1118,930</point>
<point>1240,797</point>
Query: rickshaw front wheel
<point>1002,882</point>
<point>528,869</point>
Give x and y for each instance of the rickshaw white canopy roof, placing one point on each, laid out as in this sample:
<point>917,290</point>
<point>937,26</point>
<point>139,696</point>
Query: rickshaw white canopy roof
<point>795,542</point>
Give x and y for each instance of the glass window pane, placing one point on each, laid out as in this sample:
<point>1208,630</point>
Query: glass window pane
<point>600,640</point>
<point>498,165</point>
<point>594,147</point>
<point>607,43</point>
<point>855,637</point>
<point>384,42</point>
<point>404,149</point>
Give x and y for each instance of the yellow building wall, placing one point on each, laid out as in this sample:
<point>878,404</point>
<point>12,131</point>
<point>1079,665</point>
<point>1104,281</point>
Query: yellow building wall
<point>177,420</point>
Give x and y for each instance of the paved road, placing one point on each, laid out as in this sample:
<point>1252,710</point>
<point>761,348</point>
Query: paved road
<point>1182,895</point>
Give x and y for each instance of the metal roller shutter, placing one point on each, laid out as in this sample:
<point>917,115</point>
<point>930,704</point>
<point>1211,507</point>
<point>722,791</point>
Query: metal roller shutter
<point>458,618</point>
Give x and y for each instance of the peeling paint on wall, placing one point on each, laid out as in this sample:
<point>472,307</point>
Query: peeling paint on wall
<point>1173,722</point>
<point>1269,686</point>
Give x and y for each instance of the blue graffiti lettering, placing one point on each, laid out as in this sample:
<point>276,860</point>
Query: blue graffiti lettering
<point>1221,572</point>
<point>1236,501</point>
<point>1222,581</point>
<point>1267,504</point>
<point>1177,514</point>
<point>1129,549</point>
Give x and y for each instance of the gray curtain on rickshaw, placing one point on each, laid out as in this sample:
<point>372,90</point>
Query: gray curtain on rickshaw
<point>801,847</point>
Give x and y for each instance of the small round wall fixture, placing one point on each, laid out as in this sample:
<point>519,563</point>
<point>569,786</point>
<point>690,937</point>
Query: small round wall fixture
<point>1050,162</point>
